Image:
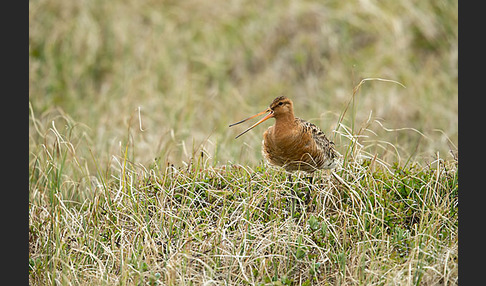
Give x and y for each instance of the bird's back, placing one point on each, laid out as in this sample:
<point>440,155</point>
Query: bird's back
<point>325,146</point>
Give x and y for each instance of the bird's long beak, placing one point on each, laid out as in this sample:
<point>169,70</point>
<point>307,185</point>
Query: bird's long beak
<point>269,115</point>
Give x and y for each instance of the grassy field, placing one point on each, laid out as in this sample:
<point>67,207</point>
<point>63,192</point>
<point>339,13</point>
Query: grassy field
<point>136,179</point>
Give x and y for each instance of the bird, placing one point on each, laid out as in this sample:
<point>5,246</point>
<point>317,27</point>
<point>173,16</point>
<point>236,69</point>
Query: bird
<point>293,143</point>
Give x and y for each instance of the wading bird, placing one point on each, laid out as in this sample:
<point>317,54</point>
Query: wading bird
<point>293,143</point>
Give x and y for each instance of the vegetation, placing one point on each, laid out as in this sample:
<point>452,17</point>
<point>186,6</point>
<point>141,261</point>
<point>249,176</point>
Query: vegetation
<point>135,178</point>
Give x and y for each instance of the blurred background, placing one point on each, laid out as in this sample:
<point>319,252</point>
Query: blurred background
<point>162,80</point>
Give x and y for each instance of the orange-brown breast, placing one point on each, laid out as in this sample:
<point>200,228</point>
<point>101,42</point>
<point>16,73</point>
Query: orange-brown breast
<point>295,148</point>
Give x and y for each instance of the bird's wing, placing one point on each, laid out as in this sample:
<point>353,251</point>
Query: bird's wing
<point>319,137</point>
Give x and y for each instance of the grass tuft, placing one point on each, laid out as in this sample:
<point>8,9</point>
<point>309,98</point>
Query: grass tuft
<point>364,223</point>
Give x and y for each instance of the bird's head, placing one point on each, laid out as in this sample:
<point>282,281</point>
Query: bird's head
<point>279,107</point>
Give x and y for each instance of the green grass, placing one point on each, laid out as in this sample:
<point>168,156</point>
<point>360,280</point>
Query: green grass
<point>366,224</point>
<point>135,178</point>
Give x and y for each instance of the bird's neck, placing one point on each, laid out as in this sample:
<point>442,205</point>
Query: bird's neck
<point>285,123</point>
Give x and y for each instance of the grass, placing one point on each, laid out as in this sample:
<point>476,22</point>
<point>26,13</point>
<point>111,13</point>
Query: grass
<point>135,178</point>
<point>368,224</point>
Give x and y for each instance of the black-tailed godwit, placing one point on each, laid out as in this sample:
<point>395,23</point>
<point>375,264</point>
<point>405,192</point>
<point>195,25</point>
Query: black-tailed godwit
<point>293,143</point>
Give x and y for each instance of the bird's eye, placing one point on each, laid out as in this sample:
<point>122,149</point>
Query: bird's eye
<point>280,103</point>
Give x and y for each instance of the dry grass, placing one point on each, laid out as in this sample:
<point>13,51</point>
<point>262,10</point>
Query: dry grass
<point>136,179</point>
<point>367,223</point>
